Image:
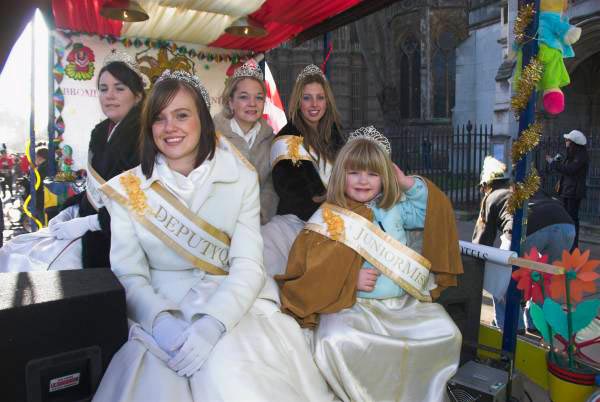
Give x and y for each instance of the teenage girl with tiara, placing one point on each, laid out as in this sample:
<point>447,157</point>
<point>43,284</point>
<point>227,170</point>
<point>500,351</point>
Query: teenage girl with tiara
<point>357,276</point>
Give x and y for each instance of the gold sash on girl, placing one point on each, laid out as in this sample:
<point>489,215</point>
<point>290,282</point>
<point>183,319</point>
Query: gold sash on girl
<point>167,218</point>
<point>291,147</point>
<point>407,268</point>
<point>93,183</point>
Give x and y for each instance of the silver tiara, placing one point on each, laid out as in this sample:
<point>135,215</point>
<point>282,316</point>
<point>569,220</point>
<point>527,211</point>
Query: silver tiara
<point>370,133</point>
<point>122,57</point>
<point>188,78</point>
<point>311,69</point>
<point>249,70</point>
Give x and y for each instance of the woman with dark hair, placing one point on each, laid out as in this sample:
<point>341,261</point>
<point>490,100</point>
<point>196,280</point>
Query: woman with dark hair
<point>186,246</point>
<point>242,124</point>
<point>113,149</point>
<point>573,172</point>
<point>302,156</point>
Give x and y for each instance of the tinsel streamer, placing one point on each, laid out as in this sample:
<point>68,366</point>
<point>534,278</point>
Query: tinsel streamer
<point>37,185</point>
<point>527,82</point>
<point>523,191</point>
<point>524,18</point>
<point>529,139</point>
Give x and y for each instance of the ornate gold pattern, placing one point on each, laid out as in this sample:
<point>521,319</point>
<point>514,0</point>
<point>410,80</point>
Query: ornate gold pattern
<point>293,143</point>
<point>335,224</point>
<point>136,199</point>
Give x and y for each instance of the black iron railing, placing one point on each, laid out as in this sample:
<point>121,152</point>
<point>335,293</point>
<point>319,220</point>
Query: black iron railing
<point>450,157</point>
<point>553,144</point>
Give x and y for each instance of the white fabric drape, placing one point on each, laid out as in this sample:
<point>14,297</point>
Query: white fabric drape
<point>199,21</point>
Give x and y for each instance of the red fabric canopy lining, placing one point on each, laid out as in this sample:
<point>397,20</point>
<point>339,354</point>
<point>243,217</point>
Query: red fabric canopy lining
<point>84,16</point>
<point>283,19</point>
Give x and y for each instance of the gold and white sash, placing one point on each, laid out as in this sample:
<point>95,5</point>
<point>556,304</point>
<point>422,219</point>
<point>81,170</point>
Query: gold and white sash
<point>291,147</point>
<point>93,183</point>
<point>233,149</point>
<point>167,218</point>
<point>407,268</point>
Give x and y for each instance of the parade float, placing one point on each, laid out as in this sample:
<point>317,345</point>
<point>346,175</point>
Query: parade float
<point>194,36</point>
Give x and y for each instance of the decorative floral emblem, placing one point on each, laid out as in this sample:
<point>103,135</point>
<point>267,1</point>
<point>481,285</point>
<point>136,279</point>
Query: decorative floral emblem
<point>135,196</point>
<point>335,224</point>
<point>81,63</point>
<point>293,143</point>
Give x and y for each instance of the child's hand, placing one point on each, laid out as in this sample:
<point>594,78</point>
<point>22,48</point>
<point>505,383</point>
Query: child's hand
<point>367,279</point>
<point>405,182</point>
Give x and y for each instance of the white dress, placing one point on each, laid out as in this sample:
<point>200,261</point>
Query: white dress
<point>262,355</point>
<point>394,347</point>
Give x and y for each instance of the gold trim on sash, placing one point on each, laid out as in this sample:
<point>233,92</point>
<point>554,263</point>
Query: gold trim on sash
<point>295,151</point>
<point>96,176</point>
<point>421,293</point>
<point>293,144</point>
<point>207,227</point>
<point>152,228</point>
<point>236,151</point>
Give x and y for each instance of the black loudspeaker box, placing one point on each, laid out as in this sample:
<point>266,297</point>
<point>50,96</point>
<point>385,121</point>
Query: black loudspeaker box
<point>58,332</point>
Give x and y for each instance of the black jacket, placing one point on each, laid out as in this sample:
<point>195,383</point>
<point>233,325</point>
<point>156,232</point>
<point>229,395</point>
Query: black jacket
<point>109,159</point>
<point>573,172</point>
<point>542,211</point>
<point>296,185</point>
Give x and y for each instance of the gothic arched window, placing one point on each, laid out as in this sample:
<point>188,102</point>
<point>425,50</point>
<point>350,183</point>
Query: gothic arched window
<point>444,68</point>
<point>410,78</point>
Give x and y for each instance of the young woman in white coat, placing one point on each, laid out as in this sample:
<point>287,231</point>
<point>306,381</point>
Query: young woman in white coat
<point>242,124</point>
<point>186,246</point>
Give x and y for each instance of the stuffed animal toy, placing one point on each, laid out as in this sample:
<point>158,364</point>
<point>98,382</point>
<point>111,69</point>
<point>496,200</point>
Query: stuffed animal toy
<point>555,37</point>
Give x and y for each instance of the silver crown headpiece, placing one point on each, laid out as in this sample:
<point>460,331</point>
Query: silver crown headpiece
<point>370,133</point>
<point>188,78</point>
<point>249,70</point>
<point>311,69</point>
<point>119,56</point>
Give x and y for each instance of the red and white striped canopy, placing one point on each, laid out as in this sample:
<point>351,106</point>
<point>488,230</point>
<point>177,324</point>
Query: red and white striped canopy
<point>202,21</point>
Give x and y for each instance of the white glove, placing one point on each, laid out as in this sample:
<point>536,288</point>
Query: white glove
<point>65,215</point>
<point>200,338</point>
<point>75,227</point>
<point>167,330</point>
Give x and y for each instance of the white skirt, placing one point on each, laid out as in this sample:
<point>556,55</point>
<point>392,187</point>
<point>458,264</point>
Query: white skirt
<point>263,358</point>
<point>388,350</point>
<point>40,251</point>
<point>278,236</point>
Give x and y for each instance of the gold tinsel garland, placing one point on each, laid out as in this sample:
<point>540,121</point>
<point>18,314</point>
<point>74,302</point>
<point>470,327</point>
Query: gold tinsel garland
<point>528,140</point>
<point>527,82</point>
<point>524,18</point>
<point>523,191</point>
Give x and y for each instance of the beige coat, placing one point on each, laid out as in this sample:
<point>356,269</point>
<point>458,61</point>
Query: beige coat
<point>258,155</point>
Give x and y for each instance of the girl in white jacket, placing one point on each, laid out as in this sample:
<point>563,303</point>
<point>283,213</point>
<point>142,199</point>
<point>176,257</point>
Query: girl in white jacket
<point>187,248</point>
